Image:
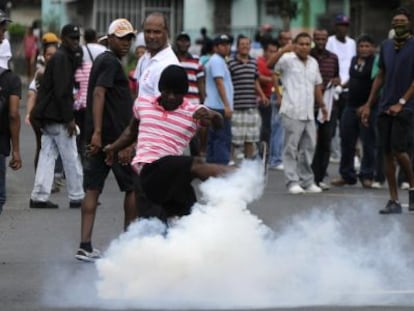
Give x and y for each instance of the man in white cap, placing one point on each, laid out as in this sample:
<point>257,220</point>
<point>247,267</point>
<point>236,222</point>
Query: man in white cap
<point>108,112</point>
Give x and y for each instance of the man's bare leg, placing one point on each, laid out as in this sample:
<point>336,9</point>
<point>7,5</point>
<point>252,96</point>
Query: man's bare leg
<point>130,209</point>
<point>249,150</point>
<point>88,213</point>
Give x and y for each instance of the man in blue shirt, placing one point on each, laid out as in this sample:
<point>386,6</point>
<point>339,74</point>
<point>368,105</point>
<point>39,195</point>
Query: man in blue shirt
<point>219,90</point>
<point>396,106</point>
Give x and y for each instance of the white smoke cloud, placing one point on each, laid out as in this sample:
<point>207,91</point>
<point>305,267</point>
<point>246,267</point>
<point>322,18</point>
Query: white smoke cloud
<point>223,256</point>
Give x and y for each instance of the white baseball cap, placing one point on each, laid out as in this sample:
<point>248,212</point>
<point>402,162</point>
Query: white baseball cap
<point>121,27</point>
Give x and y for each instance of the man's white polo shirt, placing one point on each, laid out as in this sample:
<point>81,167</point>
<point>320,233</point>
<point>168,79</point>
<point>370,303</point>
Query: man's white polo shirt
<point>149,70</point>
<point>299,80</point>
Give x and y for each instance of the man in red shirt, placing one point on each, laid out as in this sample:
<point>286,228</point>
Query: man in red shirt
<point>272,131</point>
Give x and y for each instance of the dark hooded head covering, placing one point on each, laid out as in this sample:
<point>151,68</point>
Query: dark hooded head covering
<point>174,78</point>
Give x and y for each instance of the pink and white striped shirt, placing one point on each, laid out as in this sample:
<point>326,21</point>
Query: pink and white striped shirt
<point>161,132</point>
<point>82,79</point>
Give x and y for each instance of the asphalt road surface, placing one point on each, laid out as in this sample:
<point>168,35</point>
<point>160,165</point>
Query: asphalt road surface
<point>38,270</point>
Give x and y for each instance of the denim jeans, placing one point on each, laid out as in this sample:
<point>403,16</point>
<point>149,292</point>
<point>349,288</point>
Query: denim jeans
<point>219,143</point>
<point>2,181</point>
<point>351,130</point>
<point>276,138</point>
<point>56,141</point>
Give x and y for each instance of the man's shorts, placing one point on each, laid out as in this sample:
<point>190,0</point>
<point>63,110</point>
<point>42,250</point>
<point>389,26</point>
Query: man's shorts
<point>395,133</point>
<point>167,181</point>
<point>245,126</point>
<point>95,171</point>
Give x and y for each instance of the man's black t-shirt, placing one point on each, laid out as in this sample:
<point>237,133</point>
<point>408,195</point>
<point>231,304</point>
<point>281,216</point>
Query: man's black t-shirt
<point>107,72</point>
<point>360,81</point>
<point>10,84</point>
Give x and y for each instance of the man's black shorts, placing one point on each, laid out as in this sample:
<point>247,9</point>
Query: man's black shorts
<point>167,182</point>
<point>95,171</point>
<point>395,133</point>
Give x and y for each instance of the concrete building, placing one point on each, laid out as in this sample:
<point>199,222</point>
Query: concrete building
<point>98,14</point>
<point>231,16</point>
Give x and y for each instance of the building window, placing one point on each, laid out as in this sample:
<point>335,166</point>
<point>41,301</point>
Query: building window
<point>136,10</point>
<point>271,7</point>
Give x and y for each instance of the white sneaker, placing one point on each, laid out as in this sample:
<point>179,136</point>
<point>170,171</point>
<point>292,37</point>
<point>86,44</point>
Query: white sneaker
<point>279,167</point>
<point>376,185</point>
<point>405,186</point>
<point>334,159</point>
<point>324,186</point>
<point>84,255</point>
<point>313,189</point>
<point>295,189</point>
<point>240,156</point>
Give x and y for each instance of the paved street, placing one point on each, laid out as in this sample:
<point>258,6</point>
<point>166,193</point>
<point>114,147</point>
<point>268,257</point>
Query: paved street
<point>327,240</point>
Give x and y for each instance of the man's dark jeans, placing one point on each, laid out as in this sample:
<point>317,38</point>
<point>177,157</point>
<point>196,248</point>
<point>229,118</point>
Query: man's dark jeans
<point>351,129</point>
<point>320,161</point>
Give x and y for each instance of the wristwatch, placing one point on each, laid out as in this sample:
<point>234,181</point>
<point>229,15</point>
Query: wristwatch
<point>402,101</point>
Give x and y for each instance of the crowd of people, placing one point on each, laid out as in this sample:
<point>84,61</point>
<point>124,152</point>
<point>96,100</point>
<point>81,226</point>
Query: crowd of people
<point>299,96</point>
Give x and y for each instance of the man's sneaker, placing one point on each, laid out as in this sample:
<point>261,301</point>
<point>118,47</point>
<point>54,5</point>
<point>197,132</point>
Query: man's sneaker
<point>75,204</point>
<point>278,167</point>
<point>339,182</point>
<point>411,200</point>
<point>333,159</point>
<point>376,185</point>
<point>392,207</point>
<point>405,186</point>
<point>312,189</point>
<point>323,186</point>
<point>295,189</point>
<point>84,255</point>
<point>41,204</point>
<point>366,183</point>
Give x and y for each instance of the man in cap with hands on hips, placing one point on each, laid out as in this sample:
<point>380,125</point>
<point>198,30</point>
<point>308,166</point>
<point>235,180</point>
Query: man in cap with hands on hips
<point>108,112</point>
